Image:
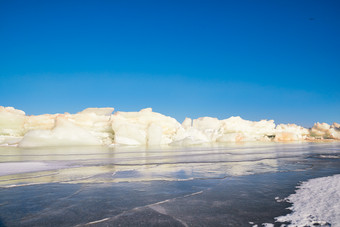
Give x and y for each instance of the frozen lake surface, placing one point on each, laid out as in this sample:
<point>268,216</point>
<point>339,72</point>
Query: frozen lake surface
<point>233,185</point>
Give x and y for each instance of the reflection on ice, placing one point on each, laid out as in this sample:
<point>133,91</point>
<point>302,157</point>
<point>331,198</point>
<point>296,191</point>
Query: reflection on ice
<point>102,164</point>
<point>78,186</point>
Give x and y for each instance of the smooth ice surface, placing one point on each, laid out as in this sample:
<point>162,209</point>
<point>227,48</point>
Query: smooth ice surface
<point>229,185</point>
<point>316,202</point>
<point>131,164</point>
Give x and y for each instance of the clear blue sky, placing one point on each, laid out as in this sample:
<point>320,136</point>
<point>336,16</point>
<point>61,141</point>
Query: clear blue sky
<point>257,59</point>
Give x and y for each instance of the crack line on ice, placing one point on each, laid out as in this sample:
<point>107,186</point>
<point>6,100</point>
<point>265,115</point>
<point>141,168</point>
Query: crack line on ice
<point>47,209</point>
<point>145,206</point>
<point>161,210</point>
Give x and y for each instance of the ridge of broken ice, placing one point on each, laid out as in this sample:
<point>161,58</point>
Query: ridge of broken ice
<point>98,126</point>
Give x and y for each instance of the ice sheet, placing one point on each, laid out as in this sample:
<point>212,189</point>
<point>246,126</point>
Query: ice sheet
<point>114,186</point>
<point>93,164</point>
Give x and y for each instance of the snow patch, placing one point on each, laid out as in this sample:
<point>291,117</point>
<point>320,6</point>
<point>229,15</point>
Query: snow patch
<point>315,203</point>
<point>10,168</point>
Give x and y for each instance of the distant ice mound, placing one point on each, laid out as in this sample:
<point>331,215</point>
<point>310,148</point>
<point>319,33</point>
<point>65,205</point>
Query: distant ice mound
<point>326,131</point>
<point>11,121</point>
<point>98,126</point>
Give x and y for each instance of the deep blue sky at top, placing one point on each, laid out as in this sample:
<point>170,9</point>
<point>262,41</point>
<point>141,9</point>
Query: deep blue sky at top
<point>253,58</point>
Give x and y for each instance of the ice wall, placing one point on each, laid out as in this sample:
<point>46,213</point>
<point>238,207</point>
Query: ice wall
<point>143,127</point>
<point>64,133</point>
<point>98,126</point>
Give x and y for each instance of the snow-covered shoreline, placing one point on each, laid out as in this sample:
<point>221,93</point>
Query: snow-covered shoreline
<point>98,126</point>
<point>316,202</point>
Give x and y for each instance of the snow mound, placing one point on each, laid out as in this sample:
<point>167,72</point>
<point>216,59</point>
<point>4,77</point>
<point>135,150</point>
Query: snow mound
<point>315,203</point>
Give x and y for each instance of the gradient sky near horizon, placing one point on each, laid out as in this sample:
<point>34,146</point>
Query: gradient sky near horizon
<point>255,59</point>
